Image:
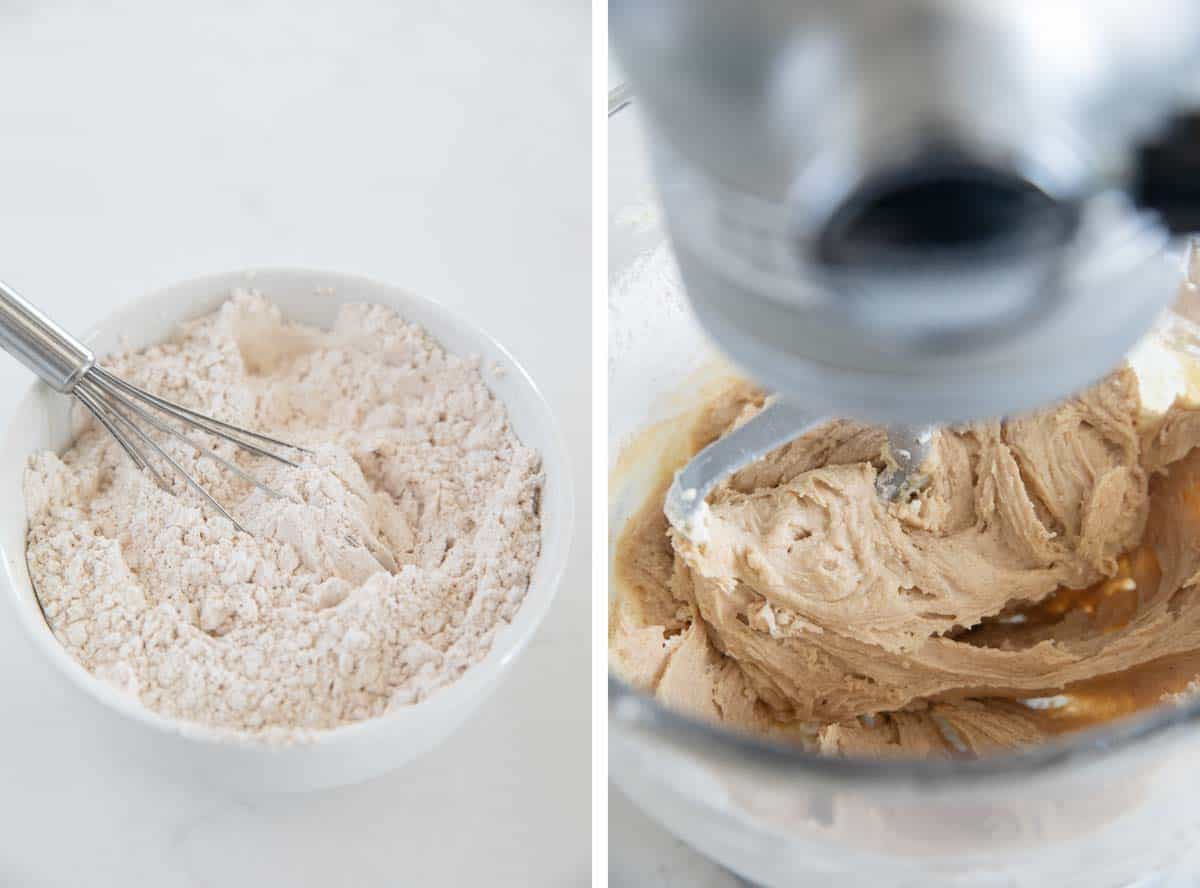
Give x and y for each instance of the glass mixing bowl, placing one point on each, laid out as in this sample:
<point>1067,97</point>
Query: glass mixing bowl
<point>1118,806</point>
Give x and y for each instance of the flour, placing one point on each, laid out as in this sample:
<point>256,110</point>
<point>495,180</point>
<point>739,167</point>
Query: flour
<point>405,540</point>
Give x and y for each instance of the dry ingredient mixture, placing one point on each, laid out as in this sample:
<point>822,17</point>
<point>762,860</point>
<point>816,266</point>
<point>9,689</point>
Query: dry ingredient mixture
<point>405,542</point>
<point>1044,579</point>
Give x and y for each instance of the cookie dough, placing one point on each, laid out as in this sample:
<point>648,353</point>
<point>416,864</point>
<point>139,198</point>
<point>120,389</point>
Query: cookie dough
<point>1042,580</point>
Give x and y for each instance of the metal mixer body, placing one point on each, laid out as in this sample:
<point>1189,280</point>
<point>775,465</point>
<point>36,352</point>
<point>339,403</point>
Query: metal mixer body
<point>916,211</point>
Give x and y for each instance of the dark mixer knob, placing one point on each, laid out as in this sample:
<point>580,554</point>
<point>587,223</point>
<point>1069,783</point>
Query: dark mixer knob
<point>1167,176</point>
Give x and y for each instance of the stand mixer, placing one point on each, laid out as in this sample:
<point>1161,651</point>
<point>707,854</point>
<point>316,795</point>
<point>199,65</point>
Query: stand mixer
<point>918,212</point>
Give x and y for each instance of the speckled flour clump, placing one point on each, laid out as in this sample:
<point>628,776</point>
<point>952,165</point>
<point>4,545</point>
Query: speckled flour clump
<point>299,626</point>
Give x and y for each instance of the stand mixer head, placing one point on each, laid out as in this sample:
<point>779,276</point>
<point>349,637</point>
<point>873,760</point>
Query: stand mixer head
<point>924,211</point>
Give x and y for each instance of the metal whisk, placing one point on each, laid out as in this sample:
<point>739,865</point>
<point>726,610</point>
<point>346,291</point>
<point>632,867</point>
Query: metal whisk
<point>68,366</point>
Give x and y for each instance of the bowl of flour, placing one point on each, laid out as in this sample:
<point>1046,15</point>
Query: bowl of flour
<point>369,609</point>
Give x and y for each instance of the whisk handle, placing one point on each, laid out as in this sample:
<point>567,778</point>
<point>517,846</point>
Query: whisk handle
<point>40,344</point>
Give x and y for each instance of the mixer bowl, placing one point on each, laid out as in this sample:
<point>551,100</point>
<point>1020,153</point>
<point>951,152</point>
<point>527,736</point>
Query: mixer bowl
<point>1110,807</point>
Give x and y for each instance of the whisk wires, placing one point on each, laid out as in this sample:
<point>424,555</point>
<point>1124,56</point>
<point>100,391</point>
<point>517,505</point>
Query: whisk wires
<point>122,408</point>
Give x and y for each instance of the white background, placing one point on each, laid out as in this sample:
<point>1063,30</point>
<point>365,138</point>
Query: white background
<point>443,147</point>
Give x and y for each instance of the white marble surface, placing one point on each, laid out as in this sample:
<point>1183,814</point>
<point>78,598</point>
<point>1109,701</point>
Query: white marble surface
<point>441,147</point>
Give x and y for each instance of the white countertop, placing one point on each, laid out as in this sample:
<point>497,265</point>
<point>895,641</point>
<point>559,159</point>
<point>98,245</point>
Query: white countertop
<point>446,153</point>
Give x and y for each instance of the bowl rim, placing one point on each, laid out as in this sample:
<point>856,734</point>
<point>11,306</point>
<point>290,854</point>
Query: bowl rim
<point>508,642</point>
<point>640,712</point>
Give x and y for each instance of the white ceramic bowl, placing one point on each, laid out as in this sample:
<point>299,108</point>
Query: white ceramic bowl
<point>346,754</point>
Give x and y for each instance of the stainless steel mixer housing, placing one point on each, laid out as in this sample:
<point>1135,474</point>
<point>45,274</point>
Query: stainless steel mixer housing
<point>920,210</point>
